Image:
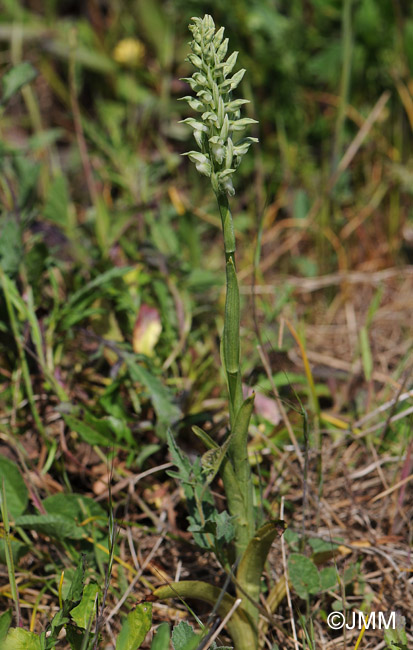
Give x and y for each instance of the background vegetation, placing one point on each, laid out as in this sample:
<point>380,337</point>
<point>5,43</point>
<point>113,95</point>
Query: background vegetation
<point>111,304</point>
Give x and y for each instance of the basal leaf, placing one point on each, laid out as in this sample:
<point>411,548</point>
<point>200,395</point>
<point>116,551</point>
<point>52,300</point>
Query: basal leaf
<point>304,575</point>
<point>56,526</point>
<point>20,639</point>
<point>135,628</point>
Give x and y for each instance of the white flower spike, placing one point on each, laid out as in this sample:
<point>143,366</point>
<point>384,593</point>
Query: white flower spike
<point>220,115</point>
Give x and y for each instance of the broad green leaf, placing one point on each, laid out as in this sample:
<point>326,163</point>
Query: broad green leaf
<point>17,77</point>
<point>15,487</point>
<point>88,433</point>
<point>162,637</point>
<point>182,634</point>
<point>84,611</point>
<point>304,575</point>
<point>328,578</point>
<point>56,526</point>
<point>75,506</point>
<point>5,621</point>
<point>135,628</point>
<point>321,546</point>
<point>240,627</point>
<point>20,639</point>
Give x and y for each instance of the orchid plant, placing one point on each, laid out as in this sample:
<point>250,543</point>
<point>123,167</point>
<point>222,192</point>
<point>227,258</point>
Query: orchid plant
<point>235,536</point>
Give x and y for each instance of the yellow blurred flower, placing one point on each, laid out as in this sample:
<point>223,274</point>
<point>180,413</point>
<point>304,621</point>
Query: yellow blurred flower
<point>129,51</point>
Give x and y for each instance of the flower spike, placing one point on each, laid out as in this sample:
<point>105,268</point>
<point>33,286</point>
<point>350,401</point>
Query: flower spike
<point>213,131</point>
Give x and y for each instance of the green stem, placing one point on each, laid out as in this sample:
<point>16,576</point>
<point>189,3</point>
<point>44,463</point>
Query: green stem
<point>347,45</point>
<point>231,336</point>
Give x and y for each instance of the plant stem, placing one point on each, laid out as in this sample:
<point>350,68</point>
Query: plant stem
<point>231,337</point>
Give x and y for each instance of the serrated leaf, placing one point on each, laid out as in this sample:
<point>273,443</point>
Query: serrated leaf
<point>135,628</point>
<point>20,75</point>
<point>182,634</point>
<point>225,527</point>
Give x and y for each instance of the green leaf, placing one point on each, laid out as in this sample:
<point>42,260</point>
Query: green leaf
<point>135,627</point>
<point>11,246</point>
<point>75,506</point>
<point>238,453</point>
<point>328,578</point>
<point>225,527</point>
<point>88,433</point>
<point>19,639</point>
<point>56,526</point>
<point>20,75</point>
<point>182,634</point>
<point>396,638</point>
<point>231,326</point>
<point>166,411</point>
<point>15,487</point>
<point>84,611</point>
<point>162,637</point>
<point>56,208</point>
<point>240,627</point>
<point>304,575</point>
<point>73,597</point>
<point>366,355</point>
<point>18,549</point>
<point>252,563</point>
<point>5,621</point>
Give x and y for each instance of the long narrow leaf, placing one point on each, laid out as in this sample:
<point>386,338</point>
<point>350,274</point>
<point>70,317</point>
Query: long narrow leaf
<point>252,564</point>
